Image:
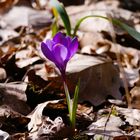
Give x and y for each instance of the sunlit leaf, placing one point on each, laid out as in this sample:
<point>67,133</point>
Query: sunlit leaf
<point>63,14</point>
<point>54,24</point>
<point>54,28</point>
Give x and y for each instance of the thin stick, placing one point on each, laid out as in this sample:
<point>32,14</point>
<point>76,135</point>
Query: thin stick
<point>119,64</point>
<point>108,117</point>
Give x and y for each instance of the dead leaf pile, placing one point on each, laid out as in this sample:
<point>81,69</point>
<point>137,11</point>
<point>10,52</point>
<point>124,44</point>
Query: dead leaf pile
<point>32,98</point>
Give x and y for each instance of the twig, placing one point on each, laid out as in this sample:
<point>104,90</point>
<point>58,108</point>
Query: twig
<point>119,63</point>
<point>108,119</point>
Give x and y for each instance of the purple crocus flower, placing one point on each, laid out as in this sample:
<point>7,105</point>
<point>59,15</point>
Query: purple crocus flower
<point>60,50</point>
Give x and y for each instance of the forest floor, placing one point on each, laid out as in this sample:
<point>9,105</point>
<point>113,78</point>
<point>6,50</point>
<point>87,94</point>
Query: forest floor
<point>32,98</point>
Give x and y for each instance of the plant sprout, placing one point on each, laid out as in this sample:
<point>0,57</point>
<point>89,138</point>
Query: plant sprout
<point>60,50</point>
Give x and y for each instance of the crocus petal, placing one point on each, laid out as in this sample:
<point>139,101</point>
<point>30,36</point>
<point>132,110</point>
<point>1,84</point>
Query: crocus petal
<point>73,47</point>
<point>60,38</point>
<point>60,52</point>
<point>46,51</point>
<point>49,43</point>
<point>68,40</point>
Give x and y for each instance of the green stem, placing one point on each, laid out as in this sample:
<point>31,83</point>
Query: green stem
<point>69,103</point>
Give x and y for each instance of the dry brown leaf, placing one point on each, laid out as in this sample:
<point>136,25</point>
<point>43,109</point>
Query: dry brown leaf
<point>12,121</point>
<point>13,72</point>
<point>131,115</point>
<point>3,74</point>
<point>131,75</point>
<point>13,95</point>
<point>4,135</point>
<point>27,62</point>
<point>135,97</point>
<point>99,78</point>
<point>46,126</point>
<point>26,16</point>
<point>7,34</point>
<point>43,125</point>
<point>111,130</point>
<point>115,126</point>
<point>6,4</point>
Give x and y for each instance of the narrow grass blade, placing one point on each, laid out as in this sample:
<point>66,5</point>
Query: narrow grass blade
<point>124,26</point>
<point>63,14</point>
<point>54,28</point>
<point>68,100</point>
<point>54,24</point>
<point>127,28</point>
<point>75,101</point>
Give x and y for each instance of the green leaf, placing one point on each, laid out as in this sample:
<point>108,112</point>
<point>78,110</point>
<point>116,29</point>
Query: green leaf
<point>79,23</point>
<point>68,98</point>
<point>69,103</point>
<point>127,28</point>
<point>54,28</point>
<point>74,105</point>
<point>63,14</point>
<point>54,24</point>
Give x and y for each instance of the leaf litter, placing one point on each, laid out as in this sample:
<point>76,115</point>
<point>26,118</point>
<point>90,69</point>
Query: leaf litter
<point>32,99</point>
